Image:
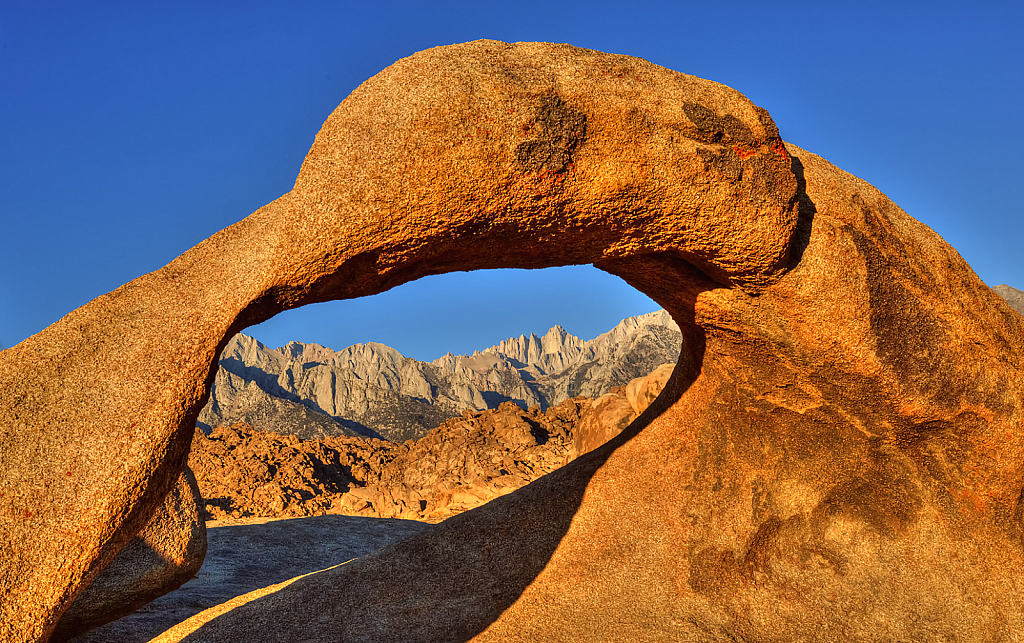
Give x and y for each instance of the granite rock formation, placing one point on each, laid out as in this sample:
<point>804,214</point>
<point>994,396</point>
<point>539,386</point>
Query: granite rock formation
<point>460,465</point>
<point>167,552</point>
<point>809,473</point>
<point>837,456</point>
<point>246,474</point>
<point>609,415</point>
<point>373,390</point>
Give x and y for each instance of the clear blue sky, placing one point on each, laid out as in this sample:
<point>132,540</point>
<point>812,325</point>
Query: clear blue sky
<point>131,131</point>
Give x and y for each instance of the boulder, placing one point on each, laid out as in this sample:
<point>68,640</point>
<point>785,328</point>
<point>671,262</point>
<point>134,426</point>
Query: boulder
<point>602,420</point>
<point>167,552</point>
<point>837,456</point>
<point>642,391</point>
<point>608,415</point>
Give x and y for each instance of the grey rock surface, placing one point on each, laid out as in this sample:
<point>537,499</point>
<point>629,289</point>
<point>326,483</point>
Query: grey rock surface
<point>372,390</point>
<point>1012,296</point>
<point>245,555</point>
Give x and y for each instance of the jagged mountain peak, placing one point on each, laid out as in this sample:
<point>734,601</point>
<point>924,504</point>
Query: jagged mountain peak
<point>372,389</point>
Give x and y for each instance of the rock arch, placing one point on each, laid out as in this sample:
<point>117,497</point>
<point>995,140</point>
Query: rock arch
<point>818,434</point>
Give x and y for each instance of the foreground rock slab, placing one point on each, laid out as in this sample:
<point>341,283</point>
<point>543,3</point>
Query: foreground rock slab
<point>249,554</point>
<point>838,455</point>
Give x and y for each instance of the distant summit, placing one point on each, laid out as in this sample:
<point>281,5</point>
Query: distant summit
<point>372,390</point>
<point>1012,296</point>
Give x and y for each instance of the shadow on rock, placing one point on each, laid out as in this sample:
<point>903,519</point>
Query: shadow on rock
<point>254,554</point>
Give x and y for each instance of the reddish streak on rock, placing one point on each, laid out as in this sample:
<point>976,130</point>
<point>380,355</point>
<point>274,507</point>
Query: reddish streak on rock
<point>780,149</point>
<point>742,153</point>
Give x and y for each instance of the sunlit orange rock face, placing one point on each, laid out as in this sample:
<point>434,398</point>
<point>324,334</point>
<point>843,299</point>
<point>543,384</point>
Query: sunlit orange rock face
<point>837,456</point>
<point>167,553</point>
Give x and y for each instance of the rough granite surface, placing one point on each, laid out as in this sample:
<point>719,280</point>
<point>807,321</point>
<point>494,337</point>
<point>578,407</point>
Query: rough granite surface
<point>167,553</point>
<point>837,457</point>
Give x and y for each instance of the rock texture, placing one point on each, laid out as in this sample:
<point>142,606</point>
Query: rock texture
<point>246,475</point>
<point>837,456</point>
<point>608,415</point>
<point>834,459</point>
<point>370,389</point>
<point>457,466</point>
<point>1012,296</point>
<point>167,552</point>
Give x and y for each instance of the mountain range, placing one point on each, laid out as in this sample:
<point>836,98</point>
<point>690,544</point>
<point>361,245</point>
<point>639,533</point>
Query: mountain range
<point>372,390</point>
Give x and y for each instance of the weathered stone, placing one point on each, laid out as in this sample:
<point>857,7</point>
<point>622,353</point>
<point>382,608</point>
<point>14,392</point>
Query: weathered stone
<point>837,457</point>
<point>166,553</point>
<point>602,420</point>
<point>607,416</point>
<point>641,392</point>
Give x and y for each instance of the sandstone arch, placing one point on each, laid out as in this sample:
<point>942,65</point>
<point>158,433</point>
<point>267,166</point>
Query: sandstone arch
<point>820,461</point>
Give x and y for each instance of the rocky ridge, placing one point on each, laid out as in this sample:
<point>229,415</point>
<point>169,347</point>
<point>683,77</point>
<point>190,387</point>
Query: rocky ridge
<point>372,390</point>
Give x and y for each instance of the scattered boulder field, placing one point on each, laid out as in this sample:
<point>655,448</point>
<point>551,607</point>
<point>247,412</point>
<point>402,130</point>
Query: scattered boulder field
<point>457,466</point>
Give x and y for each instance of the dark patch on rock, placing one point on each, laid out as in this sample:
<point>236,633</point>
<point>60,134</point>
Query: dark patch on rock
<point>724,161</point>
<point>882,501</point>
<point>559,129</point>
<point>907,335</point>
<point>712,128</point>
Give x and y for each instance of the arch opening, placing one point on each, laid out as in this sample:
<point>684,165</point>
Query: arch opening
<point>382,434</point>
